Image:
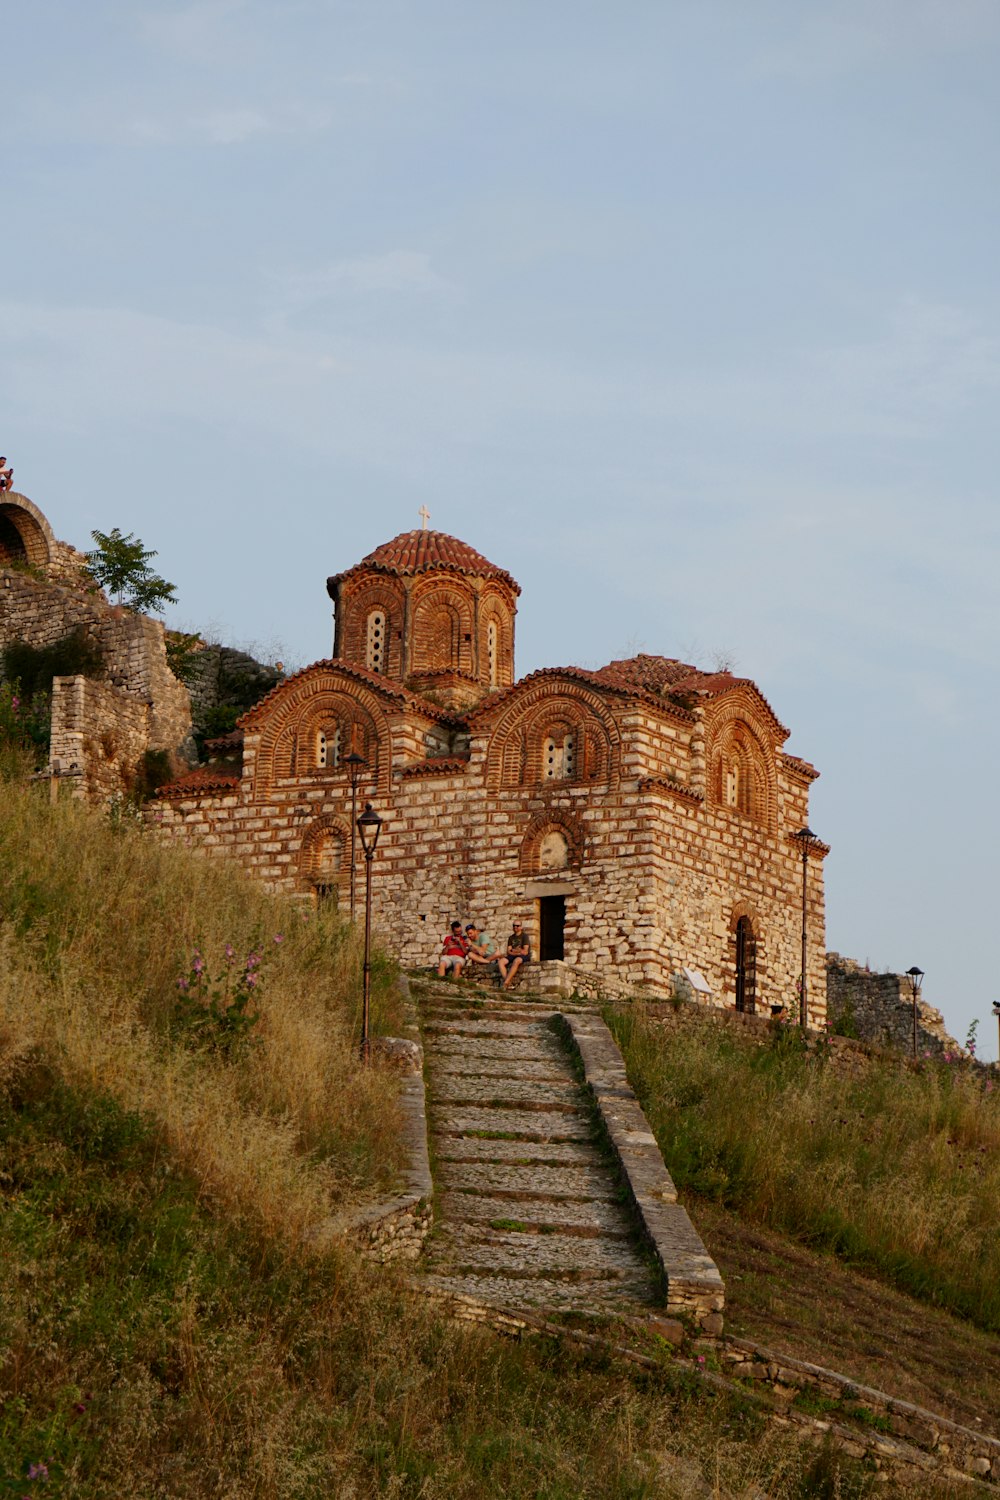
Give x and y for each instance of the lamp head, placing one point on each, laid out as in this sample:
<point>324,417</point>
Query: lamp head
<point>369,828</point>
<point>915,975</point>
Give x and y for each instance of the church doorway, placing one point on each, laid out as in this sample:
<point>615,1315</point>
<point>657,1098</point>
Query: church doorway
<point>746,966</point>
<point>551,926</point>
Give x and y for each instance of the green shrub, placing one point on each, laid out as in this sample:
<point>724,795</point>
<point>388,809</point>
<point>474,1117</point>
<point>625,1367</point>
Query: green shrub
<point>33,667</point>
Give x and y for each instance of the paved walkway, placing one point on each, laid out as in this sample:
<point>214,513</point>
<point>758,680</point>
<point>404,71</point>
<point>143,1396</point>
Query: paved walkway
<point>529,1214</point>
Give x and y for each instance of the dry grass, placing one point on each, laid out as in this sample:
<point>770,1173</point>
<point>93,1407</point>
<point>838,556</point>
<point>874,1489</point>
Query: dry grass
<point>99,922</point>
<point>892,1170</point>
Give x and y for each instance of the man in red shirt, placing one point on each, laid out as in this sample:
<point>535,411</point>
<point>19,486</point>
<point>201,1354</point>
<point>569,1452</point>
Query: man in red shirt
<point>453,952</point>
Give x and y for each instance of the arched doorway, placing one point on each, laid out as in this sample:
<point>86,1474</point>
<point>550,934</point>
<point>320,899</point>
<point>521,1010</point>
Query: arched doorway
<point>746,966</point>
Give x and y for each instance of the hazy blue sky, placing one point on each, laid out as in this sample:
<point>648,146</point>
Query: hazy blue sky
<point>686,313</point>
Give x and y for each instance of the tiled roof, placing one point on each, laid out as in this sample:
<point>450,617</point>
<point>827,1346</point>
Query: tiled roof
<point>223,742</point>
<point>652,673</point>
<point>385,685</point>
<point>437,765</point>
<point>604,681</point>
<point>420,551</point>
<point>202,781</point>
<point>802,767</point>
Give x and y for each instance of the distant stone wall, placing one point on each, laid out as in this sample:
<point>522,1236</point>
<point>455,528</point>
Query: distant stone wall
<point>139,704</point>
<point>880,1007</point>
<point>99,735</point>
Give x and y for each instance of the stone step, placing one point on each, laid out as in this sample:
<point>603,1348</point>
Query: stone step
<point>594,1183</point>
<point>499,1291</point>
<point>514,1124</point>
<point>551,1154</point>
<point>605,1217</point>
<point>486,1026</point>
<point>499,1047</point>
<point>472,1089</point>
<point>566,1257</point>
<point>461,1065</point>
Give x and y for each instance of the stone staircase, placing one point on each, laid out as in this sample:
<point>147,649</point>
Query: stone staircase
<point>530,1212</point>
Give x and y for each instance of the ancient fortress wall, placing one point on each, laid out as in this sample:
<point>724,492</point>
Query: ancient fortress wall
<point>44,596</point>
<point>880,1007</point>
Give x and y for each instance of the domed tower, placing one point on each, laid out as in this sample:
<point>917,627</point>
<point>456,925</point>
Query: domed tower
<point>428,610</point>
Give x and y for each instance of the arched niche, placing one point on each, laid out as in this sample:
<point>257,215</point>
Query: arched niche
<point>25,535</point>
<point>551,843</point>
<point>316,705</point>
<point>325,859</point>
<point>555,736</point>
<point>441,633</point>
<point>741,771</point>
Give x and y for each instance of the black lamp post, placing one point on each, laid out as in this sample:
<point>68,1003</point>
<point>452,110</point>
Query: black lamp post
<point>353,762</point>
<point>806,839</point>
<point>369,827</point>
<point>915,975</point>
<point>996,1012</point>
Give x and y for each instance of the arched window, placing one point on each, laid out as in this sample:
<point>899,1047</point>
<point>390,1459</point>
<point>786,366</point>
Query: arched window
<point>491,651</point>
<point>559,757</point>
<point>328,748</point>
<point>375,641</point>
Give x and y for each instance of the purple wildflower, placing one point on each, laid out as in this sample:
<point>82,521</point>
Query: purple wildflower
<point>230,952</point>
<point>279,937</point>
<point>250,980</point>
<point>183,984</point>
<point>38,1471</point>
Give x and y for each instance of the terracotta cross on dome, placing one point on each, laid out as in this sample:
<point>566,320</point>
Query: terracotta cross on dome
<point>424,515</point>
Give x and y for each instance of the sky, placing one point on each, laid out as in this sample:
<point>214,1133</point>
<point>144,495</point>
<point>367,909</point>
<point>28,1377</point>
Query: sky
<point>686,312</point>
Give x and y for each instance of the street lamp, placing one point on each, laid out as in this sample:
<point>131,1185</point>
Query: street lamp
<point>369,827</point>
<point>915,975</point>
<point>996,1012</point>
<point>353,762</point>
<point>807,839</point>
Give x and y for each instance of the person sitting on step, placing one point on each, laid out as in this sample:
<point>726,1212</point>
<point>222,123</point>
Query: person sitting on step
<point>518,953</point>
<point>481,950</point>
<point>453,952</point>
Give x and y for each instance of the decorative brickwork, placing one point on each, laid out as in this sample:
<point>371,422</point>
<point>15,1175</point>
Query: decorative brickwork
<point>595,800</point>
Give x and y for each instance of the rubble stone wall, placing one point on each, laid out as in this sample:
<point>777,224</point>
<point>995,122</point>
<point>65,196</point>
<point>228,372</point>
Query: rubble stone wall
<point>879,1007</point>
<point>99,735</point>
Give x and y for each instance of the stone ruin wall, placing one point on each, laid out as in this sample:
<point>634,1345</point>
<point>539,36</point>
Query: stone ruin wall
<point>101,732</point>
<point>40,606</point>
<point>881,1008</point>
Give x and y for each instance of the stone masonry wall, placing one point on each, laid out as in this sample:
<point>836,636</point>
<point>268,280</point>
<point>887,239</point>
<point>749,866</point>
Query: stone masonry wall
<point>41,611</point>
<point>881,1009</point>
<point>100,731</point>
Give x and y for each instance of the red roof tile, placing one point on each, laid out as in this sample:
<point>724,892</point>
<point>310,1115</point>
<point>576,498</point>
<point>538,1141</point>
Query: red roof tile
<point>200,782</point>
<point>420,551</point>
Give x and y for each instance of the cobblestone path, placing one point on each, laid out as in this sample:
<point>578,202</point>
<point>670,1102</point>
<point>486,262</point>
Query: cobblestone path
<point>528,1213</point>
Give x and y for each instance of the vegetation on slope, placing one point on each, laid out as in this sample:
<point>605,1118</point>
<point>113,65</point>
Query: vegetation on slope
<point>896,1171</point>
<point>101,929</point>
<point>173,1322</point>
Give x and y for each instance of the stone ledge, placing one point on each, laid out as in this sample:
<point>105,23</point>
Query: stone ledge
<point>396,1228</point>
<point>694,1284</point>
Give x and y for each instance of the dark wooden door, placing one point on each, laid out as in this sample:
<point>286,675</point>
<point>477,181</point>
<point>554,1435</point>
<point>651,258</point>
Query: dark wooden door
<point>746,966</point>
<point>551,924</point>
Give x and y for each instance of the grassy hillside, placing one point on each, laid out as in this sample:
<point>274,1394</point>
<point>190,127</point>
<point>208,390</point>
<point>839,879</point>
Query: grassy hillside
<point>893,1171</point>
<point>173,1320</point>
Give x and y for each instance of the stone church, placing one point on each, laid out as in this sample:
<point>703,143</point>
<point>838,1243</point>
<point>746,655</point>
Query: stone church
<point>640,819</point>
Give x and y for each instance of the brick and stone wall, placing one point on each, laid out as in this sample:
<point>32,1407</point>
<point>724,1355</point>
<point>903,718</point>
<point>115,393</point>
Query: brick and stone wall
<point>452,845</point>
